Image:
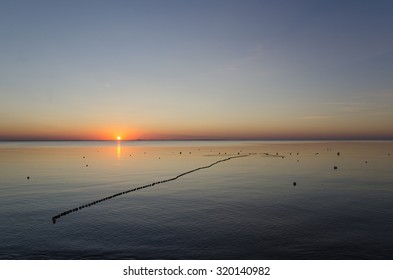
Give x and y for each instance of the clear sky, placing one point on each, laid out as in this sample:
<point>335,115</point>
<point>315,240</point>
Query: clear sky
<point>196,69</point>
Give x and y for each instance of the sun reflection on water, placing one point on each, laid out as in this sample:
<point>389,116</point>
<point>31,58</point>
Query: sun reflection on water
<point>118,149</point>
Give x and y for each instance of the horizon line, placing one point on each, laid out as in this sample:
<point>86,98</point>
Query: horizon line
<point>203,139</point>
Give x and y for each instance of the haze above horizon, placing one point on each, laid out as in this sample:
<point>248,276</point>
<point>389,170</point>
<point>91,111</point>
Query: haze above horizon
<point>196,70</point>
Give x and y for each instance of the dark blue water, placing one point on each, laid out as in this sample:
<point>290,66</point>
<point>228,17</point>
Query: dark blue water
<point>244,208</point>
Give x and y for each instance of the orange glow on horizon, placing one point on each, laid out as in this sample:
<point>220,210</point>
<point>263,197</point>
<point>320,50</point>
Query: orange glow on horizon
<point>123,132</point>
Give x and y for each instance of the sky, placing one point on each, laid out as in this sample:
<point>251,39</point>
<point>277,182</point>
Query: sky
<point>95,70</point>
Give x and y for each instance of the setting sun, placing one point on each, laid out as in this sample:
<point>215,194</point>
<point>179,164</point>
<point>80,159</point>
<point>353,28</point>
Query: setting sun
<point>118,138</point>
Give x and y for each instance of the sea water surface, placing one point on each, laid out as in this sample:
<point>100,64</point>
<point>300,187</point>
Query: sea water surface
<point>341,206</point>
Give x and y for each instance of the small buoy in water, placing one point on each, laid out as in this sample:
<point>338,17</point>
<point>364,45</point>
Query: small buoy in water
<point>87,165</point>
<point>28,178</point>
<point>335,167</point>
<point>294,183</point>
<point>338,153</point>
<point>365,161</point>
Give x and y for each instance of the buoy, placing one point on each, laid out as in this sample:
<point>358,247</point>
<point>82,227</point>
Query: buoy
<point>335,167</point>
<point>294,183</point>
<point>338,153</point>
<point>28,177</point>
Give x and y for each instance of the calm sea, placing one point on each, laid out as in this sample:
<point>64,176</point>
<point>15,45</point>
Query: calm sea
<point>341,206</point>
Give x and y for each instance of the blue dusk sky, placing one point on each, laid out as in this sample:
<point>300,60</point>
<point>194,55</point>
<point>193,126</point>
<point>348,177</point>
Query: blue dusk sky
<point>196,69</point>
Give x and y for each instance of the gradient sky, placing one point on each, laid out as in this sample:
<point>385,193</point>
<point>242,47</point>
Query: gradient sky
<point>196,69</point>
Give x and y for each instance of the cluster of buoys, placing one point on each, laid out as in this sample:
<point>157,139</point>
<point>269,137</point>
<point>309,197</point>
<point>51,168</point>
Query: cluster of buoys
<point>54,218</point>
<point>335,167</point>
<point>220,155</point>
<point>270,155</point>
<point>249,154</point>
